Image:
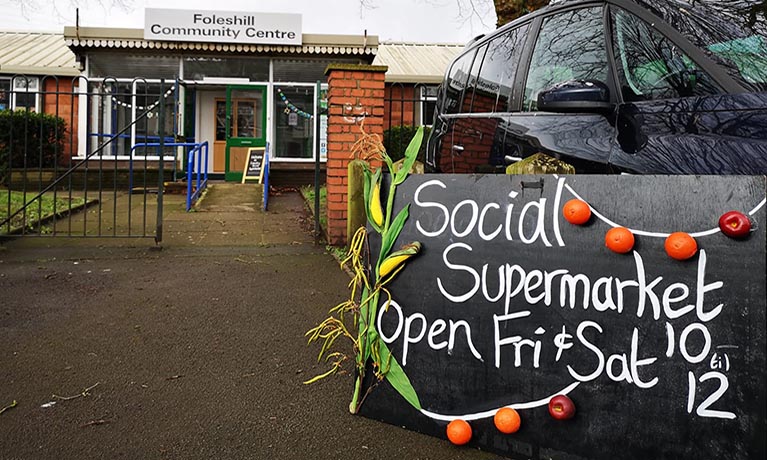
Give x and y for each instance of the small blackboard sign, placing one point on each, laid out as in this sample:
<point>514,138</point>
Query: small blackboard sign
<point>254,165</point>
<point>508,304</point>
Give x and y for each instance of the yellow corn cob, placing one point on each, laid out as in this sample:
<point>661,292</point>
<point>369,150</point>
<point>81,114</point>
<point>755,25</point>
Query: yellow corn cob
<point>398,258</point>
<point>391,263</point>
<point>376,212</point>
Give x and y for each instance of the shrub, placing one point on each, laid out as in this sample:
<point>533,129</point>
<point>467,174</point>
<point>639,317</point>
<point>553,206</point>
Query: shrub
<point>25,135</point>
<point>397,138</point>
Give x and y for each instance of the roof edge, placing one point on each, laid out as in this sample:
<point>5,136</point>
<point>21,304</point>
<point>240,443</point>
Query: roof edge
<point>403,78</point>
<point>44,71</point>
<point>111,33</point>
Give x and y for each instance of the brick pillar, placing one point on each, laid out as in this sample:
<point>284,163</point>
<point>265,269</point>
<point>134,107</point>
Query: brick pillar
<point>355,93</point>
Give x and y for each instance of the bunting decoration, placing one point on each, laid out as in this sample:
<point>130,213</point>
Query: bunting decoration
<point>290,107</point>
<point>148,108</point>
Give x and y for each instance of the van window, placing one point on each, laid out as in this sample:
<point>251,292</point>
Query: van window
<point>650,66</point>
<point>496,77</point>
<point>456,82</point>
<point>570,46</point>
<point>468,96</point>
<point>732,33</point>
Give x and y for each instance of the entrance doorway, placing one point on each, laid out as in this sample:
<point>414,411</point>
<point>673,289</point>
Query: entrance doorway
<point>246,125</point>
<point>240,124</point>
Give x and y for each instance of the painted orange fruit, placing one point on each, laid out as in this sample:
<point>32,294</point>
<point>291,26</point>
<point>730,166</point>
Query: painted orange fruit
<point>576,212</point>
<point>619,239</point>
<point>507,420</point>
<point>459,432</point>
<point>681,246</point>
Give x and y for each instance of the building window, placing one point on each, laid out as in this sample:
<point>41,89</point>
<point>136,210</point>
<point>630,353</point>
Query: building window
<point>130,66</point>
<point>428,104</point>
<point>19,93</point>
<point>5,94</point>
<point>124,117</point>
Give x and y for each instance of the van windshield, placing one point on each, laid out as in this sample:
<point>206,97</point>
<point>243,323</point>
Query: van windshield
<point>732,32</point>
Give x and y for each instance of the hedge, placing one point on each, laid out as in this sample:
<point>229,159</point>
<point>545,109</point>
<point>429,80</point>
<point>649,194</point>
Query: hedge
<point>36,137</point>
<point>397,138</point>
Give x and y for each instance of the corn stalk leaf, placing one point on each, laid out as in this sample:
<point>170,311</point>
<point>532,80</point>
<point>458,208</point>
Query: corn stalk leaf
<point>410,155</point>
<point>397,377</point>
<point>388,239</point>
<point>321,376</point>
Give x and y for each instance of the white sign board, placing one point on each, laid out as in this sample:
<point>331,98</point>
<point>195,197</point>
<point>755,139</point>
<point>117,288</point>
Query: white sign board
<point>222,26</point>
<point>323,137</point>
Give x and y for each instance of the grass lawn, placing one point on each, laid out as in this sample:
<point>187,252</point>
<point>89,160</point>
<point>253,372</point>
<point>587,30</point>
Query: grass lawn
<point>43,208</point>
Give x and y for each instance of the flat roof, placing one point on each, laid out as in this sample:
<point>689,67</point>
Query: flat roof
<point>117,38</point>
<point>36,53</point>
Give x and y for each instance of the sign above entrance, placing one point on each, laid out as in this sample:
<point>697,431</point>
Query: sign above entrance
<point>222,26</point>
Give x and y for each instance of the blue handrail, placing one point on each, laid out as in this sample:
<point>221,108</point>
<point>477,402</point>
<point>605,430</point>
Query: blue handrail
<point>265,183</point>
<point>155,144</point>
<point>194,147</point>
<point>190,169</point>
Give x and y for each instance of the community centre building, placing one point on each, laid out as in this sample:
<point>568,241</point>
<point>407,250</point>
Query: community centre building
<point>236,80</point>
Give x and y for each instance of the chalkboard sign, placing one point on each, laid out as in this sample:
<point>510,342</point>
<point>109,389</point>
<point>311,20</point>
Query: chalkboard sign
<point>254,165</point>
<point>508,304</point>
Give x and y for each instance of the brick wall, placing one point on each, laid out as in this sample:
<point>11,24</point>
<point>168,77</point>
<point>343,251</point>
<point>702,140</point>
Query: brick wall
<point>355,93</point>
<point>58,99</point>
<point>400,105</point>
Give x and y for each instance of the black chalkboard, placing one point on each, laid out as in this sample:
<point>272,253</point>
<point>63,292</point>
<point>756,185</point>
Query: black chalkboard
<point>656,367</point>
<point>254,165</point>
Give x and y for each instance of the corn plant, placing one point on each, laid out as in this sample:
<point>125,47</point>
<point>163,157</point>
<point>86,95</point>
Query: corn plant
<point>371,276</point>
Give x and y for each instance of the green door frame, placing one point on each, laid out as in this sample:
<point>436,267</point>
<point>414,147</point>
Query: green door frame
<point>242,141</point>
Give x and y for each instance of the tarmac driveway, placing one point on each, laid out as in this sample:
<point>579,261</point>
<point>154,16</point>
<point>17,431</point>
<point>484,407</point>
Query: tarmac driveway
<point>195,351</point>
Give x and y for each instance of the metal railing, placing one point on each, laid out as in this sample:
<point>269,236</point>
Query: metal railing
<point>265,184</point>
<point>406,107</point>
<point>47,176</point>
<point>194,173</point>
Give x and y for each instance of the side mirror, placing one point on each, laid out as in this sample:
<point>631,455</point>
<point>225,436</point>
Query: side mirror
<point>576,96</point>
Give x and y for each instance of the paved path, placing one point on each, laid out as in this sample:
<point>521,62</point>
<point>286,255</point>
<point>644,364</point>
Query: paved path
<point>197,349</point>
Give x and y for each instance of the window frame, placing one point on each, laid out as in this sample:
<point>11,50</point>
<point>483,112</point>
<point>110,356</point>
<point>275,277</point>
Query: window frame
<point>93,98</point>
<point>425,99</point>
<point>27,87</point>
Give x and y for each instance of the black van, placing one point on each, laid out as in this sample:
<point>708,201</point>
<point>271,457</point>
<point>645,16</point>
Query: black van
<point>650,87</point>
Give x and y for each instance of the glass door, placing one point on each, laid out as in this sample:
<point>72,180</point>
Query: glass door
<point>245,125</point>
